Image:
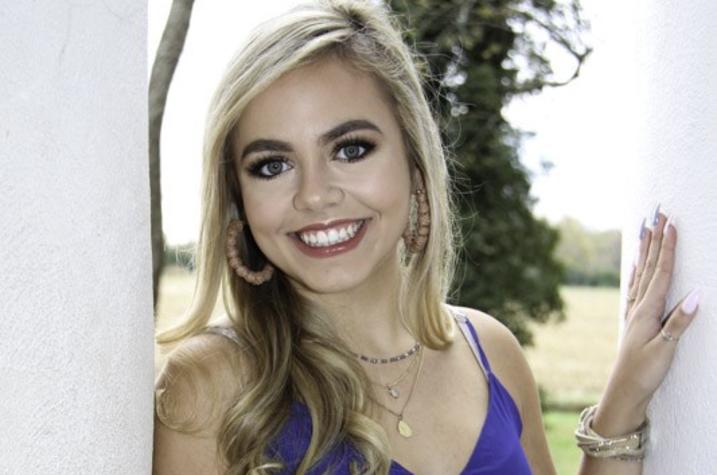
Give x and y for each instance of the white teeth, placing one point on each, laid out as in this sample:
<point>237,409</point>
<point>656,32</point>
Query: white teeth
<point>332,236</point>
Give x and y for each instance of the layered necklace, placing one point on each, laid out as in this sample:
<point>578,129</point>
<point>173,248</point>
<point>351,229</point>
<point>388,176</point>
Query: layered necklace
<point>402,426</point>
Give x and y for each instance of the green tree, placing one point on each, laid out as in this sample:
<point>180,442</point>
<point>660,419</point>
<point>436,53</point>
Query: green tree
<point>589,257</point>
<point>477,56</point>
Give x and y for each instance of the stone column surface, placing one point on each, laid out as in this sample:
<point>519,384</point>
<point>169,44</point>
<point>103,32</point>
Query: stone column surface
<point>76,325</point>
<point>675,138</point>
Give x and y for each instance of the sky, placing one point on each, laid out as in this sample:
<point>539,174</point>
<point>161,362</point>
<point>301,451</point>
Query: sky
<point>582,129</point>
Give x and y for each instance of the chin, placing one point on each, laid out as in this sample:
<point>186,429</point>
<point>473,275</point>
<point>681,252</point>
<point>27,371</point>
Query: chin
<point>329,283</point>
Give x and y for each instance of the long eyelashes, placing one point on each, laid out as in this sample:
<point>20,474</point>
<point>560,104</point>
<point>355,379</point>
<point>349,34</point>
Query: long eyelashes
<point>355,144</point>
<point>350,149</point>
<point>266,168</point>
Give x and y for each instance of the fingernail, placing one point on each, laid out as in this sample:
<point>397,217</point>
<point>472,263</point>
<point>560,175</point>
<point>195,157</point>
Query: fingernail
<point>670,222</point>
<point>691,302</point>
<point>642,228</point>
<point>656,215</point>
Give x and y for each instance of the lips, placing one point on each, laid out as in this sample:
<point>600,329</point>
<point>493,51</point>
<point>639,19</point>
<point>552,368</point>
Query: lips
<point>336,237</point>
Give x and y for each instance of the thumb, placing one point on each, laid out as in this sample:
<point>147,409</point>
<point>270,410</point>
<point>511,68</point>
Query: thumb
<point>680,318</point>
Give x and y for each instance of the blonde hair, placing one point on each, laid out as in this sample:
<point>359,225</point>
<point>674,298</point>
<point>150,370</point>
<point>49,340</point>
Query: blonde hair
<point>290,349</point>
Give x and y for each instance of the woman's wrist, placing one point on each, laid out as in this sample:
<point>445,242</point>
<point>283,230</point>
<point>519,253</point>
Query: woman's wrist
<point>613,419</point>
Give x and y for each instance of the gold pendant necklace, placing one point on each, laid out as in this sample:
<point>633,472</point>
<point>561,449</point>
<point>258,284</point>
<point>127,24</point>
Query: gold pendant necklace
<point>402,426</point>
<point>404,429</point>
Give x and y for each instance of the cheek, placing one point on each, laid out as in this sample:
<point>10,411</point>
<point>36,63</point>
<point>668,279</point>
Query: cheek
<point>263,209</point>
<point>389,187</point>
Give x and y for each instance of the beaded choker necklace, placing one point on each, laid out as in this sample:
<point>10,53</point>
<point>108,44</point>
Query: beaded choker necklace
<point>392,359</point>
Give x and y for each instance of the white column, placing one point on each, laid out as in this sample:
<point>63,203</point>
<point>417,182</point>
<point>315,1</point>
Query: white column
<point>676,164</point>
<point>76,322</point>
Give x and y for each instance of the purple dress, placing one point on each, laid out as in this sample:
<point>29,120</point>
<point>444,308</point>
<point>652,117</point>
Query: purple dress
<point>497,450</point>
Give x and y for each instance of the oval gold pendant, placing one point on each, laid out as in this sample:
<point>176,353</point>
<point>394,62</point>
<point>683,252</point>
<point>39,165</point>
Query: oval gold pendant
<point>404,429</point>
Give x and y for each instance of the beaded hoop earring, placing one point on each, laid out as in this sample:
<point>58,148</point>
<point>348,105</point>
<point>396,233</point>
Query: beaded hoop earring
<point>415,239</point>
<point>252,277</point>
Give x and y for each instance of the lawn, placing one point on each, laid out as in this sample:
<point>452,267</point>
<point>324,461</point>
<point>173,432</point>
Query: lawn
<point>571,360</point>
<point>560,426</point>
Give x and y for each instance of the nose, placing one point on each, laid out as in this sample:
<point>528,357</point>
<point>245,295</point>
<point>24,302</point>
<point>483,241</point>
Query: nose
<point>316,189</point>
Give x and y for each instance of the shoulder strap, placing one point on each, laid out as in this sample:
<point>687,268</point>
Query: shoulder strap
<point>469,332</point>
<point>227,332</point>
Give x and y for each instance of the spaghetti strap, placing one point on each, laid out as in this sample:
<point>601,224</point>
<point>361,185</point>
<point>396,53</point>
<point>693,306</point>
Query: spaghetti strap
<point>227,332</point>
<point>472,336</point>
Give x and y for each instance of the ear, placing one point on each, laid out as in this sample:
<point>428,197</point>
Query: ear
<point>416,179</point>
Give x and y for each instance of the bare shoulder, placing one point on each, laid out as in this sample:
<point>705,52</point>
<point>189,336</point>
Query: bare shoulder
<point>199,382</point>
<point>508,362</point>
<point>504,353</point>
<point>200,378</point>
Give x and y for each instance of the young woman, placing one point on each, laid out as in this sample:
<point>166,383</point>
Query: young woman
<point>328,226</point>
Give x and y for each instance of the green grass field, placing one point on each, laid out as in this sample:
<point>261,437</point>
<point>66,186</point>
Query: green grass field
<point>571,360</point>
<point>559,426</point>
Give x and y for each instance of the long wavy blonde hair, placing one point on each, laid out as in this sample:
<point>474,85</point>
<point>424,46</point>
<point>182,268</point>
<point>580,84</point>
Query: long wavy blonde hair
<point>290,350</point>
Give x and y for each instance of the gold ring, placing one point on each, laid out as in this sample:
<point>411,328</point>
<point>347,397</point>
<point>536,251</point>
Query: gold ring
<point>667,336</point>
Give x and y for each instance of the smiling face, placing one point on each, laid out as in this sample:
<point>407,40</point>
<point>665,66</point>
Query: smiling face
<point>324,177</point>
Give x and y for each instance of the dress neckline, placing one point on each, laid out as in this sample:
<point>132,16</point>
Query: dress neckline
<point>481,436</point>
<point>490,413</point>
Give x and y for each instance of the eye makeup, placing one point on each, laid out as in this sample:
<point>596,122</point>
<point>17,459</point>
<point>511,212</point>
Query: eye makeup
<point>353,142</point>
<point>266,168</point>
<point>353,149</point>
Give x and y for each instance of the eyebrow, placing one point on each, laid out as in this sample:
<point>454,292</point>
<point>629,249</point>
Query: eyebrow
<point>344,128</point>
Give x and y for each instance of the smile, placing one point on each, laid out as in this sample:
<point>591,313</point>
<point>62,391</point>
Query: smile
<point>332,240</point>
<point>332,236</point>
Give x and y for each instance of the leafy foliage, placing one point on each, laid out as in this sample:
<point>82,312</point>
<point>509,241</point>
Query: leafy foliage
<point>477,56</point>
<point>590,258</point>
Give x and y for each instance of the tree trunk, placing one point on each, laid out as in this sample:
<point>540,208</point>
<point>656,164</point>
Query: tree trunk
<point>170,47</point>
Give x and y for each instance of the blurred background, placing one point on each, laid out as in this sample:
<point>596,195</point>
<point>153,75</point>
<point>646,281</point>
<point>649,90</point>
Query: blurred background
<point>532,100</point>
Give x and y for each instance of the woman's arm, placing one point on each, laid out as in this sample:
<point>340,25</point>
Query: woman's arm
<point>643,360</point>
<point>195,388</point>
<point>646,349</point>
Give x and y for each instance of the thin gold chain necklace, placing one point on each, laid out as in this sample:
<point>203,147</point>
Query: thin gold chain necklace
<point>392,387</point>
<point>402,426</point>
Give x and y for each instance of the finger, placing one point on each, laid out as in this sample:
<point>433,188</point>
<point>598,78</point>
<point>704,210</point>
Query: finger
<point>678,321</point>
<point>662,277</point>
<point>653,254</point>
<point>628,305</point>
<point>637,267</point>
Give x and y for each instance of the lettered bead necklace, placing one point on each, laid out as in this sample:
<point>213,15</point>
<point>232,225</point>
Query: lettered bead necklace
<point>392,359</point>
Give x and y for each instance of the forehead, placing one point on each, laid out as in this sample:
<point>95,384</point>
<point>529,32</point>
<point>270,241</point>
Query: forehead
<point>312,99</point>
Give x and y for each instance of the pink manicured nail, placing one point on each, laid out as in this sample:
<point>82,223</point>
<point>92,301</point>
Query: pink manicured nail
<point>670,222</point>
<point>691,302</point>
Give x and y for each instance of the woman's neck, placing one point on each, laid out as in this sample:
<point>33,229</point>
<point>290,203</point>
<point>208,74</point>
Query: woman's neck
<point>367,317</point>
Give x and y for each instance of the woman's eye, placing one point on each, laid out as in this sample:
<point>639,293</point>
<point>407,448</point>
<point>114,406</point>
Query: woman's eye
<point>269,168</point>
<point>353,151</point>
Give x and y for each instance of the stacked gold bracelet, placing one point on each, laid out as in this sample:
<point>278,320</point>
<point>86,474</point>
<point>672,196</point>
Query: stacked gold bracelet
<point>630,447</point>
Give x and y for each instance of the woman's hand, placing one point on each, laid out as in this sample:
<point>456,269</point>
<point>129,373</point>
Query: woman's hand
<point>648,344</point>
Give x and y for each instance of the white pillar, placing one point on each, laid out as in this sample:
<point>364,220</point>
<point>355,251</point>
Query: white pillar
<point>76,326</point>
<point>676,143</point>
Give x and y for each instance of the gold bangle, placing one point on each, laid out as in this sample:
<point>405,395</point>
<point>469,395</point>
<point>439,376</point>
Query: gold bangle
<point>629,447</point>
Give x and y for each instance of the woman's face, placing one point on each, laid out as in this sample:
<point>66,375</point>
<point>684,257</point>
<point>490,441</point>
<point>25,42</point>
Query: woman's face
<point>324,176</point>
